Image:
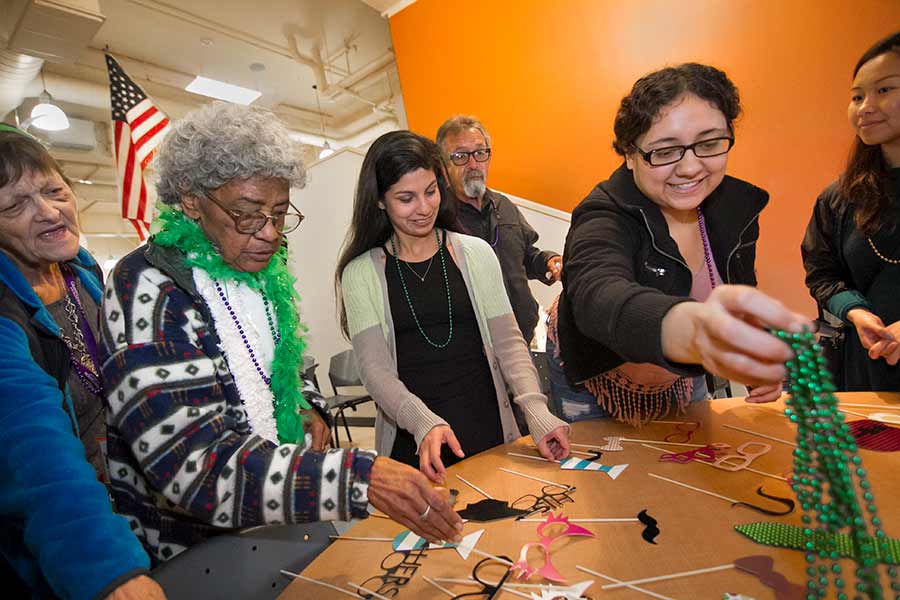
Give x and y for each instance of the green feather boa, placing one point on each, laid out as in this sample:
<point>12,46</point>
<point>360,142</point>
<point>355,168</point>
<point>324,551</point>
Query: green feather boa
<point>172,228</point>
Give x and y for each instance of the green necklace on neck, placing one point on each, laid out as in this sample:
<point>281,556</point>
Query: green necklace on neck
<point>409,300</point>
<point>173,229</point>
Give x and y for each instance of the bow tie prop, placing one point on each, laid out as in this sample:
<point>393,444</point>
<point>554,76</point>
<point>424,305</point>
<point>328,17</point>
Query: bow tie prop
<point>886,550</point>
<point>785,501</point>
<point>581,464</point>
<point>578,464</point>
<point>761,567</point>
<point>407,540</point>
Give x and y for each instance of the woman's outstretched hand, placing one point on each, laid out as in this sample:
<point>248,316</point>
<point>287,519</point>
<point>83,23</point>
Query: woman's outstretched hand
<point>406,496</point>
<point>430,452</point>
<point>727,335</point>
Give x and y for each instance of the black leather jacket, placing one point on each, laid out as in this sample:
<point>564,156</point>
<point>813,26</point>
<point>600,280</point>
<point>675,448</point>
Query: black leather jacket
<point>622,271</point>
<point>501,224</point>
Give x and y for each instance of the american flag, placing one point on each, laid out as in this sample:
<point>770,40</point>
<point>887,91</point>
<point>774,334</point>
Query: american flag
<point>139,128</point>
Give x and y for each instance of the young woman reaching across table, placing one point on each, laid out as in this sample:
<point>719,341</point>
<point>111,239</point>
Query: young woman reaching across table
<point>659,259</point>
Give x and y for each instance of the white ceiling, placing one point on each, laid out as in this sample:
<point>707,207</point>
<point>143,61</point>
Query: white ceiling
<point>163,44</point>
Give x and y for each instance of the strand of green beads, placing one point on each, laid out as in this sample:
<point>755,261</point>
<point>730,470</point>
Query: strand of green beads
<point>827,465</point>
<point>439,345</point>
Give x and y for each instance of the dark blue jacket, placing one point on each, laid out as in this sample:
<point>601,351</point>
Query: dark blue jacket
<point>57,527</point>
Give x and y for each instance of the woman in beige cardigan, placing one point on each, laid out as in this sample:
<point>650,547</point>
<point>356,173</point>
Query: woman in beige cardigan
<point>432,328</point>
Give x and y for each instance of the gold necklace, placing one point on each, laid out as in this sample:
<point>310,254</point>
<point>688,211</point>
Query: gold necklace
<point>890,261</point>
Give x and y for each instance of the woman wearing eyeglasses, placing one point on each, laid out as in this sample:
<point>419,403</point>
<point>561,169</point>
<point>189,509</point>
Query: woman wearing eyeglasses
<point>429,318</point>
<point>210,424</point>
<point>653,255</point>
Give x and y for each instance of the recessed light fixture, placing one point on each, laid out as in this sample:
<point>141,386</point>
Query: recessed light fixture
<point>222,91</point>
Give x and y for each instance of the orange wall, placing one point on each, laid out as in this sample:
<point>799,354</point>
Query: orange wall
<point>546,77</point>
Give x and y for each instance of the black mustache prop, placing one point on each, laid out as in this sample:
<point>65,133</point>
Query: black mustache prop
<point>650,530</point>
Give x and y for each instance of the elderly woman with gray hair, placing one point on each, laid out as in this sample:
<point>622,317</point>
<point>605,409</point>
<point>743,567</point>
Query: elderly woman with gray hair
<point>206,410</point>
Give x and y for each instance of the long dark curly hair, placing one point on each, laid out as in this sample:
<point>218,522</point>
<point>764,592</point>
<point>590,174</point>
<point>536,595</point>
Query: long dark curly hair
<point>864,182</point>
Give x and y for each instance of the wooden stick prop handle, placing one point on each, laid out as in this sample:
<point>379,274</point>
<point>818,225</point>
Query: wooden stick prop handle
<point>629,586</point>
<point>547,481</point>
<point>475,487</point>
<point>612,586</point>
<point>696,489</point>
<point>322,583</point>
<point>758,434</point>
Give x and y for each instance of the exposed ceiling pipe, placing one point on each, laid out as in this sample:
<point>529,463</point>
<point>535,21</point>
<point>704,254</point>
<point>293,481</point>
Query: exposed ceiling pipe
<point>96,95</point>
<point>205,23</point>
<point>16,72</point>
<point>333,91</point>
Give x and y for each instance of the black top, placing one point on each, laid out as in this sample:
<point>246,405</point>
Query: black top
<point>838,258</point>
<point>623,271</point>
<point>454,382</point>
<point>501,224</point>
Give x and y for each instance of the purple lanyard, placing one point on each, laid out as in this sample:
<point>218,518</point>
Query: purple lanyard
<point>91,379</point>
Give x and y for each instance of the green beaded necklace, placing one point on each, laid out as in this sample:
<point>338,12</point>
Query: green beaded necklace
<point>829,480</point>
<point>409,300</point>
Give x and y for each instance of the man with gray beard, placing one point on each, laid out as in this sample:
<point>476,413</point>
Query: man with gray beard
<point>492,217</point>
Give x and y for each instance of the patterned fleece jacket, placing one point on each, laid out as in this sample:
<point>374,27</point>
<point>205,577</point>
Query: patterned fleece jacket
<point>184,463</point>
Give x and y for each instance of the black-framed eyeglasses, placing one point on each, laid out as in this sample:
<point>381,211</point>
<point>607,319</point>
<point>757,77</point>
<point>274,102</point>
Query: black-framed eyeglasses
<point>486,572</point>
<point>461,158</point>
<point>552,497</point>
<point>702,149</point>
<point>249,223</point>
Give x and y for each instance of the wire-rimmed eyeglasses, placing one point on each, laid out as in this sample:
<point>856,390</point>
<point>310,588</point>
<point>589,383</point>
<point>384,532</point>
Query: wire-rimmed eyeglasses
<point>672,154</point>
<point>249,223</point>
<point>461,158</point>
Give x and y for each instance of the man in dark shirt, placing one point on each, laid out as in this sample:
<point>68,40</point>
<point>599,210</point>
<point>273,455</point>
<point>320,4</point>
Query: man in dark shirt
<point>493,218</point>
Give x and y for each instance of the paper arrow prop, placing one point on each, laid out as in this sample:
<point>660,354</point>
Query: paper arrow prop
<point>581,464</point>
<point>406,541</point>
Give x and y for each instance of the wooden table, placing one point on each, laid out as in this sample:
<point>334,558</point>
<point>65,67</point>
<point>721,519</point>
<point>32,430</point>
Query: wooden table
<point>697,530</point>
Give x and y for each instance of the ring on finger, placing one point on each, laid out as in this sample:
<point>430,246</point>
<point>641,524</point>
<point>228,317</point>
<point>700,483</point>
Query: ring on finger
<point>424,515</point>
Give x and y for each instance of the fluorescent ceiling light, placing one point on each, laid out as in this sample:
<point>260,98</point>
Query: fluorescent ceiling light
<point>223,91</point>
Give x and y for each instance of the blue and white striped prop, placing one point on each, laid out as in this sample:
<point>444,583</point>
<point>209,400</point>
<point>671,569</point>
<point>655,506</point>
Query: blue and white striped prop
<point>407,541</point>
<point>583,464</point>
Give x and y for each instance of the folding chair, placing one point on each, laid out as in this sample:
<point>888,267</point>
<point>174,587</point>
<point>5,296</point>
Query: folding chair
<point>342,372</point>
